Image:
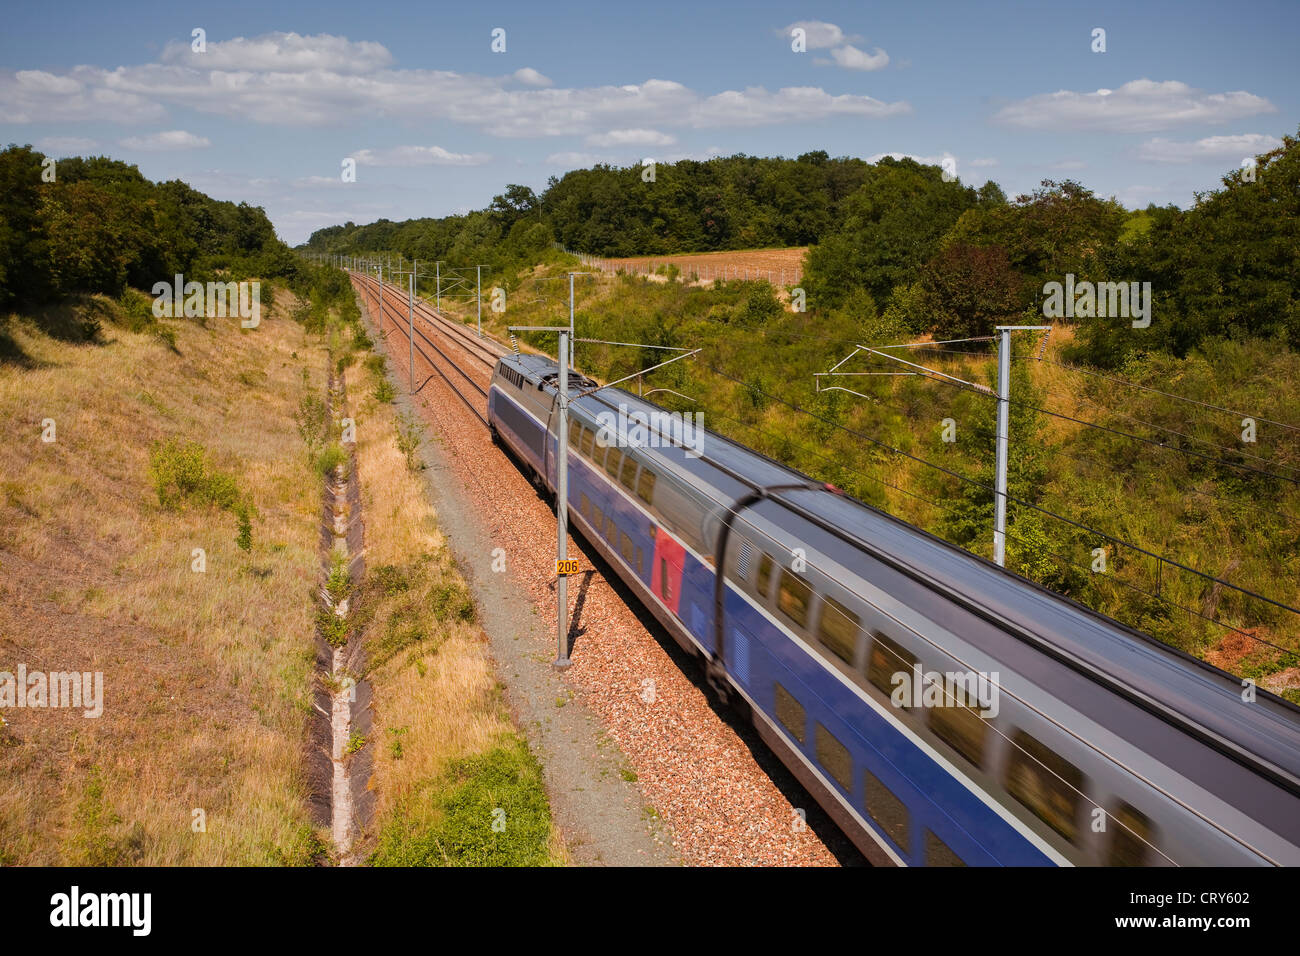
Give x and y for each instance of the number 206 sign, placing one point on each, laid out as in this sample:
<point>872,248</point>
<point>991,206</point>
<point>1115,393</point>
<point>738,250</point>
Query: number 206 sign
<point>568,566</point>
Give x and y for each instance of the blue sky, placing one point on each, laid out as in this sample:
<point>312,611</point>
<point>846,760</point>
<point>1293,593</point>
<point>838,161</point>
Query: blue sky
<point>439,123</point>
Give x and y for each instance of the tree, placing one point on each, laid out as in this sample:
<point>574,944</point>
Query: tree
<point>970,289</point>
<point>891,225</point>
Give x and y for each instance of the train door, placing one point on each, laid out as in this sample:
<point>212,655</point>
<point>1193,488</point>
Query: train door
<point>666,571</point>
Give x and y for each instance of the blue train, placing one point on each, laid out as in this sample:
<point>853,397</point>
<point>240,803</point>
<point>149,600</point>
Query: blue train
<point>944,711</point>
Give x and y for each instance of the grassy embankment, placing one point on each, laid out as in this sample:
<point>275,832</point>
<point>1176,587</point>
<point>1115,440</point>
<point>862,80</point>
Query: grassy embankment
<point>456,781</point>
<point>196,758</point>
<point>176,436</point>
<point>1227,521</point>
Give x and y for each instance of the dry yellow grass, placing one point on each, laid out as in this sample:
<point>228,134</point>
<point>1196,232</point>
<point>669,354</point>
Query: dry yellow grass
<point>437,697</point>
<point>206,674</point>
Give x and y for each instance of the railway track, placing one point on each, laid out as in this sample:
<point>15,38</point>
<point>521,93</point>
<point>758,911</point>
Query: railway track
<point>726,799</point>
<point>455,337</point>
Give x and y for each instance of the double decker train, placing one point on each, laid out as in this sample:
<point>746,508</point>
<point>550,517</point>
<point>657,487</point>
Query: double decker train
<point>943,710</point>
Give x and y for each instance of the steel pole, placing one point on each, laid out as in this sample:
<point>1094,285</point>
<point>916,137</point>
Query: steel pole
<point>410,324</point>
<point>562,508</point>
<point>1004,394</point>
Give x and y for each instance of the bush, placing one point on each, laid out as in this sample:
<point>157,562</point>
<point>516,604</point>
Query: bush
<point>181,476</point>
<point>487,810</point>
<point>332,456</point>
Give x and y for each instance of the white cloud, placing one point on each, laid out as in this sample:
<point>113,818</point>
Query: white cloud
<point>820,34</point>
<point>573,160</point>
<point>756,107</point>
<point>282,53</point>
<point>631,137</point>
<point>530,77</point>
<point>165,141</point>
<point>1210,149</point>
<point>67,145</point>
<point>418,156</point>
<point>851,58</point>
<point>982,163</point>
<point>288,80</point>
<point>82,95</point>
<point>1136,107</point>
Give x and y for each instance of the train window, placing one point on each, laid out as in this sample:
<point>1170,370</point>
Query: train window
<point>588,441</point>
<point>598,455</point>
<point>838,629</point>
<point>645,486</point>
<point>887,810</point>
<point>628,476</point>
<point>1046,783</point>
<point>794,597</point>
<point>887,659</point>
<point>834,756</point>
<point>584,505</point>
<point>575,434</point>
<point>626,546</point>
<point>665,588</point>
<point>611,529</point>
<point>1131,836</point>
<point>791,714</point>
<point>742,560</point>
<point>614,462</point>
<point>764,575</point>
<point>957,722</point>
<point>597,517</point>
<point>938,853</point>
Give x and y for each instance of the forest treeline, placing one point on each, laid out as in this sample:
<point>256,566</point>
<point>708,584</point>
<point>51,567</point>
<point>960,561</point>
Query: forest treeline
<point>97,225</point>
<point>906,252</point>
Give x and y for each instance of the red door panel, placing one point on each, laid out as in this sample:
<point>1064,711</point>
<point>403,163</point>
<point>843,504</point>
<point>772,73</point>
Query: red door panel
<point>666,572</point>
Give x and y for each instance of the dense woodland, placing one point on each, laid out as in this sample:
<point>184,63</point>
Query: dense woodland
<point>102,227</point>
<point>906,253</point>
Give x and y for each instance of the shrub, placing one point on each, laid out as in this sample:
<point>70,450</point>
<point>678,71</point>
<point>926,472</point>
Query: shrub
<point>332,456</point>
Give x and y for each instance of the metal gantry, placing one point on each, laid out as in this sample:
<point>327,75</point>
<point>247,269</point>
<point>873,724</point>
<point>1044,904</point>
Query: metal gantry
<point>1003,395</point>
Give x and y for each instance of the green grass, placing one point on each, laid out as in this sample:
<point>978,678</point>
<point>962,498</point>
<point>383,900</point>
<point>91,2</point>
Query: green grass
<point>450,821</point>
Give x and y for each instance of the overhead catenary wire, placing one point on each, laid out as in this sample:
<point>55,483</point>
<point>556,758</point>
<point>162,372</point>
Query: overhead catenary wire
<point>1028,504</point>
<point>1176,397</point>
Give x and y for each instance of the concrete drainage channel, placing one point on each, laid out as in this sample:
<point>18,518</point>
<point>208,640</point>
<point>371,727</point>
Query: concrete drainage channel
<point>342,764</point>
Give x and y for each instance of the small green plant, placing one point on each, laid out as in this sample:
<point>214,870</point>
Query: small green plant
<point>355,742</point>
<point>395,743</point>
<point>333,627</point>
<point>338,583</point>
<point>384,391</point>
<point>311,418</point>
<point>333,456</point>
<point>244,518</point>
<point>408,441</point>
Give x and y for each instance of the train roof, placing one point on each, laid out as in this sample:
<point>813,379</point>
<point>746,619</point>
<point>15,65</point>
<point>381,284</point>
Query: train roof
<point>1203,695</point>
